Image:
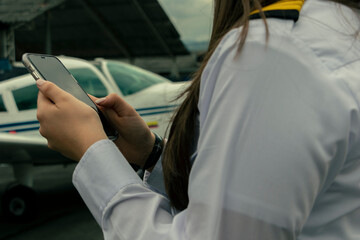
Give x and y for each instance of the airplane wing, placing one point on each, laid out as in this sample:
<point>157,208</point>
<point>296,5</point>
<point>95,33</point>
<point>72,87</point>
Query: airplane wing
<point>28,149</point>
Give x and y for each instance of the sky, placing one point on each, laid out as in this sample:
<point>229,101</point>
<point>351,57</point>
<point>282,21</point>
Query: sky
<point>192,18</point>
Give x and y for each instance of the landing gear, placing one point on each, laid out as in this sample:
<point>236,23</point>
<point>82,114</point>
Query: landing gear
<point>19,202</point>
<point>19,199</point>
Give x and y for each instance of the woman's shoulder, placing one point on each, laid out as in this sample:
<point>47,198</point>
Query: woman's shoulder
<point>325,31</point>
<point>328,30</point>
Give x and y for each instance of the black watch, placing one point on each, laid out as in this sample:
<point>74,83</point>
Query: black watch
<point>155,153</point>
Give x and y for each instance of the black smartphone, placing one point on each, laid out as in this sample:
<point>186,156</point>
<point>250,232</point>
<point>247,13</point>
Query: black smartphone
<point>50,68</point>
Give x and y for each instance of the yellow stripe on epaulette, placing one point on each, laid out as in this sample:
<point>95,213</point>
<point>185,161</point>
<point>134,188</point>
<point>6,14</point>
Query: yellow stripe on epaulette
<point>283,9</point>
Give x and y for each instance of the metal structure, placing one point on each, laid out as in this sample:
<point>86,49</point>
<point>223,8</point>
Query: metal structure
<point>88,28</point>
<point>7,43</point>
<point>13,14</point>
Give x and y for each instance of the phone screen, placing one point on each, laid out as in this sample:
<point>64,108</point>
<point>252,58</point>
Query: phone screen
<point>51,69</point>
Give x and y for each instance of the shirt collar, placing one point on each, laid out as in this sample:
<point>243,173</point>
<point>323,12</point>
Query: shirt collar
<point>283,9</point>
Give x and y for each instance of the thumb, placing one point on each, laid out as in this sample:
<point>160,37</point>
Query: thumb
<point>50,90</point>
<point>116,103</point>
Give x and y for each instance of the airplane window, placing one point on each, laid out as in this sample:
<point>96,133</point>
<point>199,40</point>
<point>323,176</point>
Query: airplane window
<point>2,105</point>
<point>132,79</point>
<point>26,97</point>
<point>89,81</point>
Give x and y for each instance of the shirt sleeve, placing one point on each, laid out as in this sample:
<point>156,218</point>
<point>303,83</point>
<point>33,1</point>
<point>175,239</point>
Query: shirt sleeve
<point>155,179</point>
<point>264,152</point>
<point>126,208</point>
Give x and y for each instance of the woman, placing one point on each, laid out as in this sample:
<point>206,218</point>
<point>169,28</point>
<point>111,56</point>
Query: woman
<point>265,146</point>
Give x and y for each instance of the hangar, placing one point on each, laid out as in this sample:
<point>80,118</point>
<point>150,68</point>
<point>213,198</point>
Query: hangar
<point>132,30</point>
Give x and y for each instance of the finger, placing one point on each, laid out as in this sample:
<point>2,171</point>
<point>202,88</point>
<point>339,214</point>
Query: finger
<point>94,99</point>
<point>42,100</point>
<point>43,106</point>
<point>51,91</point>
<point>115,102</point>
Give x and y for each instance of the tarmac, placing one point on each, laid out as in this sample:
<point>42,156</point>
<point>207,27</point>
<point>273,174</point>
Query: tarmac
<point>61,213</point>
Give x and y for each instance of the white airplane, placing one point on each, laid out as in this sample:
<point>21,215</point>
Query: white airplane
<point>22,146</point>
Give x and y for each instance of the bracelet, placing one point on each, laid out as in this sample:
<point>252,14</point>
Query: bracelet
<point>155,153</point>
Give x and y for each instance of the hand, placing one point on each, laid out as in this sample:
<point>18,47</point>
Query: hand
<point>69,125</point>
<point>135,139</point>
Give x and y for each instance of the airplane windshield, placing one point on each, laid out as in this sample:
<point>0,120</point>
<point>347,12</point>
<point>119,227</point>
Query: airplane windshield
<point>89,81</point>
<point>132,79</point>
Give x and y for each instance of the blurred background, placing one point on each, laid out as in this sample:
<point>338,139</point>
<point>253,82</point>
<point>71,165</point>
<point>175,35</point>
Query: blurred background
<point>140,49</point>
<point>162,36</point>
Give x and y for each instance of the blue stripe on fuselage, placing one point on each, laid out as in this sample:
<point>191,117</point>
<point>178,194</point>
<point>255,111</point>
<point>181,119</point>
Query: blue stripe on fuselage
<point>18,124</point>
<point>155,108</point>
<point>142,112</point>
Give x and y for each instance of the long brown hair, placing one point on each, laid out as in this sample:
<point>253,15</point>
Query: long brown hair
<point>228,14</point>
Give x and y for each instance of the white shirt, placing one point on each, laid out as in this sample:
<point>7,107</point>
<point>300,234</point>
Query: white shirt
<point>278,155</point>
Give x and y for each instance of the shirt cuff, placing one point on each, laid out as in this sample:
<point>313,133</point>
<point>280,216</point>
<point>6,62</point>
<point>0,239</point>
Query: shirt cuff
<point>155,180</point>
<point>101,173</point>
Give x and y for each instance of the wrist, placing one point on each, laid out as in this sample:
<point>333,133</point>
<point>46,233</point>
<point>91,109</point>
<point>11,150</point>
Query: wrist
<point>152,156</point>
<point>138,155</point>
<point>88,143</point>
<point>155,153</point>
